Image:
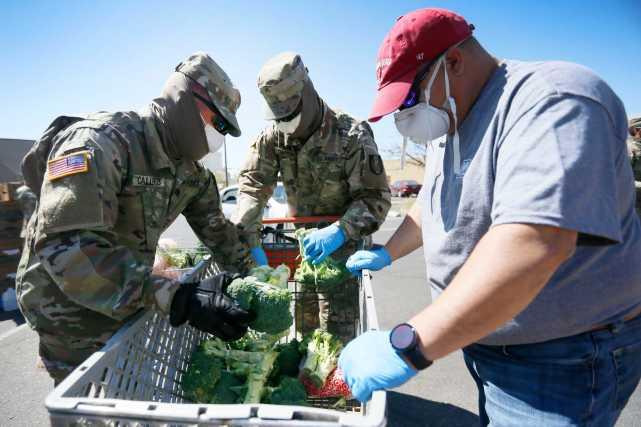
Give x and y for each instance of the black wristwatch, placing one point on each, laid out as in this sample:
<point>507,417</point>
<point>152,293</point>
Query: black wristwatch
<point>404,340</point>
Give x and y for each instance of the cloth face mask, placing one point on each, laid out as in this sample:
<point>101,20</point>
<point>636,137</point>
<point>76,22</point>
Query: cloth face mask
<point>290,126</point>
<point>215,139</point>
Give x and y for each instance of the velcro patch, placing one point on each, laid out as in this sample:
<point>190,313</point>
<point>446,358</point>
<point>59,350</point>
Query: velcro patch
<point>68,165</point>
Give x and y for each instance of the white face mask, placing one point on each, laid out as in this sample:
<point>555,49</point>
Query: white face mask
<point>290,126</point>
<point>423,122</point>
<point>215,139</point>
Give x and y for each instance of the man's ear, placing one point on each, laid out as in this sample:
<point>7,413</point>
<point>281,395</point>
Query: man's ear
<point>455,62</point>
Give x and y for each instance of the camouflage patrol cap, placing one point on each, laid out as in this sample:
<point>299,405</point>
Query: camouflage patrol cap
<point>634,123</point>
<point>204,70</point>
<point>281,81</point>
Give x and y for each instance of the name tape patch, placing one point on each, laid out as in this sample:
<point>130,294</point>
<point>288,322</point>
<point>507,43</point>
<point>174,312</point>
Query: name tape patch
<point>147,181</point>
<point>68,165</point>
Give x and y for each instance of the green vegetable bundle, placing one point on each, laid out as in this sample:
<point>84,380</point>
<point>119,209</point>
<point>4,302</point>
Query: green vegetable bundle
<point>268,299</point>
<point>181,257</point>
<point>324,277</point>
<point>246,371</point>
<point>257,368</point>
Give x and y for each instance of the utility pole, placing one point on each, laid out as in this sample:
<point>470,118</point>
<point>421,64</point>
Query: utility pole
<point>226,174</point>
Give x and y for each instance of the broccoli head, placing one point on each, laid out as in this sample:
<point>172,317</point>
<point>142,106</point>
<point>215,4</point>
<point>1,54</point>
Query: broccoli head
<point>274,276</point>
<point>269,304</point>
<point>288,360</point>
<point>201,377</point>
<point>255,366</point>
<point>290,391</point>
<point>243,291</point>
<point>323,350</point>
<point>224,391</point>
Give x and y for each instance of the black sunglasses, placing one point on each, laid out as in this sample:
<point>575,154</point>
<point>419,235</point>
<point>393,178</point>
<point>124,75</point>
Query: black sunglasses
<point>218,122</point>
<point>413,95</point>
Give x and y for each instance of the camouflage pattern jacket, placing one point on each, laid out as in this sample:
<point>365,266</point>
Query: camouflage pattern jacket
<point>91,243</point>
<point>337,171</point>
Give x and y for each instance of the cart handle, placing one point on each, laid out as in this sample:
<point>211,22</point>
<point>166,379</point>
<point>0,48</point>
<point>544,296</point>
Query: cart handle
<point>300,219</point>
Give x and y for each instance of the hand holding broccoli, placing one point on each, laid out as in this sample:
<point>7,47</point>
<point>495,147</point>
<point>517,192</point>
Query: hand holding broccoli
<point>206,306</point>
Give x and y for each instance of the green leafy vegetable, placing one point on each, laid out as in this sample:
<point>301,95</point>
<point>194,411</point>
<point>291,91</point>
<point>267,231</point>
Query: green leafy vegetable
<point>200,379</point>
<point>323,277</point>
<point>224,391</point>
<point>255,367</point>
<point>288,360</point>
<point>323,350</point>
<point>270,304</point>
<point>290,391</point>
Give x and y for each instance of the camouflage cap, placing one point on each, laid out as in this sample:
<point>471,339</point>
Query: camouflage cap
<point>634,123</point>
<point>281,81</point>
<point>204,70</point>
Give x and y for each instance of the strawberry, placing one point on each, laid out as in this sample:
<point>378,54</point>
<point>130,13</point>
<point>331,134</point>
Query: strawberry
<point>335,386</point>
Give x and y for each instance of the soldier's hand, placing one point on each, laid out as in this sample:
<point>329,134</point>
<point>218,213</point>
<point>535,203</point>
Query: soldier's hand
<point>322,243</point>
<point>206,306</point>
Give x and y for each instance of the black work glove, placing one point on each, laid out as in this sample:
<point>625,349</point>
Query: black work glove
<point>206,307</point>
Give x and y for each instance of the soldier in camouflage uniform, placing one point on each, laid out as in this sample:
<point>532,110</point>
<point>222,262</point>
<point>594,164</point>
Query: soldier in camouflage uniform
<point>27,201</point>
<point>329,164</point>
<point>11,219</point>
<point>634,149</point>
<point>113,184</point>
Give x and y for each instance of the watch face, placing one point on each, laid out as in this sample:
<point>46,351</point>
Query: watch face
<point>402,337</point>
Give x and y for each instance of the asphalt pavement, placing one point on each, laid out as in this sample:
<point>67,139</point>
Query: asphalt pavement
<point>443,395</point>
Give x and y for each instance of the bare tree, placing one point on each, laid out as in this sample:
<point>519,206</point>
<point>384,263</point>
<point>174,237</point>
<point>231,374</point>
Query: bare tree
<point>414,153</point>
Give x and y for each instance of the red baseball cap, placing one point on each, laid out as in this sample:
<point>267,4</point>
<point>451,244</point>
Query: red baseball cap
<point>416,38</point>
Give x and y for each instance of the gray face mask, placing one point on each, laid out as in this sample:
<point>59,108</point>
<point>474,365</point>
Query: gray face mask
<point>179,122</point>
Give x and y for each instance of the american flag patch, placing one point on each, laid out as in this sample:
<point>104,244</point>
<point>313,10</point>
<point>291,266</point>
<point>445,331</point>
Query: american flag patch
<point>67,165</point>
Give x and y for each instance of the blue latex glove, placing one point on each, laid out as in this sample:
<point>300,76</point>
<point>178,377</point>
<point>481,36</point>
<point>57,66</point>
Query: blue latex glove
<point>259,255</point>
<point>374,259</point>
<point>370,363</point>
<point>322,243</point>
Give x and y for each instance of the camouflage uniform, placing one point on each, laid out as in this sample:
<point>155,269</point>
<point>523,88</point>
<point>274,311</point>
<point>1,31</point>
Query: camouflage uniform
<point>337,171</point>
<point>11,218</point>
<point>634,149</point>
<point>91,244</point>
<point>27,201</point>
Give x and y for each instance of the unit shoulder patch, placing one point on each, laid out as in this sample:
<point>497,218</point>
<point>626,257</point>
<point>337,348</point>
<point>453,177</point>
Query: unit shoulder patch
<point>70,164</point>
<point>376,164</point>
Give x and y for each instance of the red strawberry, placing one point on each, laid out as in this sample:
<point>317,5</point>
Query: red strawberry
<point>335,386</point>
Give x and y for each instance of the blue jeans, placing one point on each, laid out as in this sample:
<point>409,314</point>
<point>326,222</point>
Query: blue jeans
<point>582,380</point>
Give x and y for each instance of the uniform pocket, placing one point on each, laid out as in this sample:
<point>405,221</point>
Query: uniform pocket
<point>155,211</point>
<point>130,225</point>
<point>627,361</point>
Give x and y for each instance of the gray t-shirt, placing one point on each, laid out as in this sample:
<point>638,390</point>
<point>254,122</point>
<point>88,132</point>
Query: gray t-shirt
<point>545,143</point>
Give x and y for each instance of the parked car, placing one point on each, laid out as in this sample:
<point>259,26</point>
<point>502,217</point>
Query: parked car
<point>405,188</point>
<point>276,205</point>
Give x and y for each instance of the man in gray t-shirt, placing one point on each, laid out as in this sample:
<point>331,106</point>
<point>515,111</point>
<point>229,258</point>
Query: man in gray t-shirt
<point>527,222</point>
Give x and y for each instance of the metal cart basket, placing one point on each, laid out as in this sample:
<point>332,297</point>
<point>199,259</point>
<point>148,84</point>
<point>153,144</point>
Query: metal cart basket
<point>135,380</point>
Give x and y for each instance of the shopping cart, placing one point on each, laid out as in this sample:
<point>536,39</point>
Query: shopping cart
<point>135,380</point>
<point>282,247</point>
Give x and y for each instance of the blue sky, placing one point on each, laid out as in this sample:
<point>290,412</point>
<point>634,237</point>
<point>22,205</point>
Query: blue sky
<point>83,56</point>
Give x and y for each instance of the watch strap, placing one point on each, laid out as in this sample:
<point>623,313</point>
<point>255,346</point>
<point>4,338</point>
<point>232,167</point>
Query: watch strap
<point>416,358</point>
